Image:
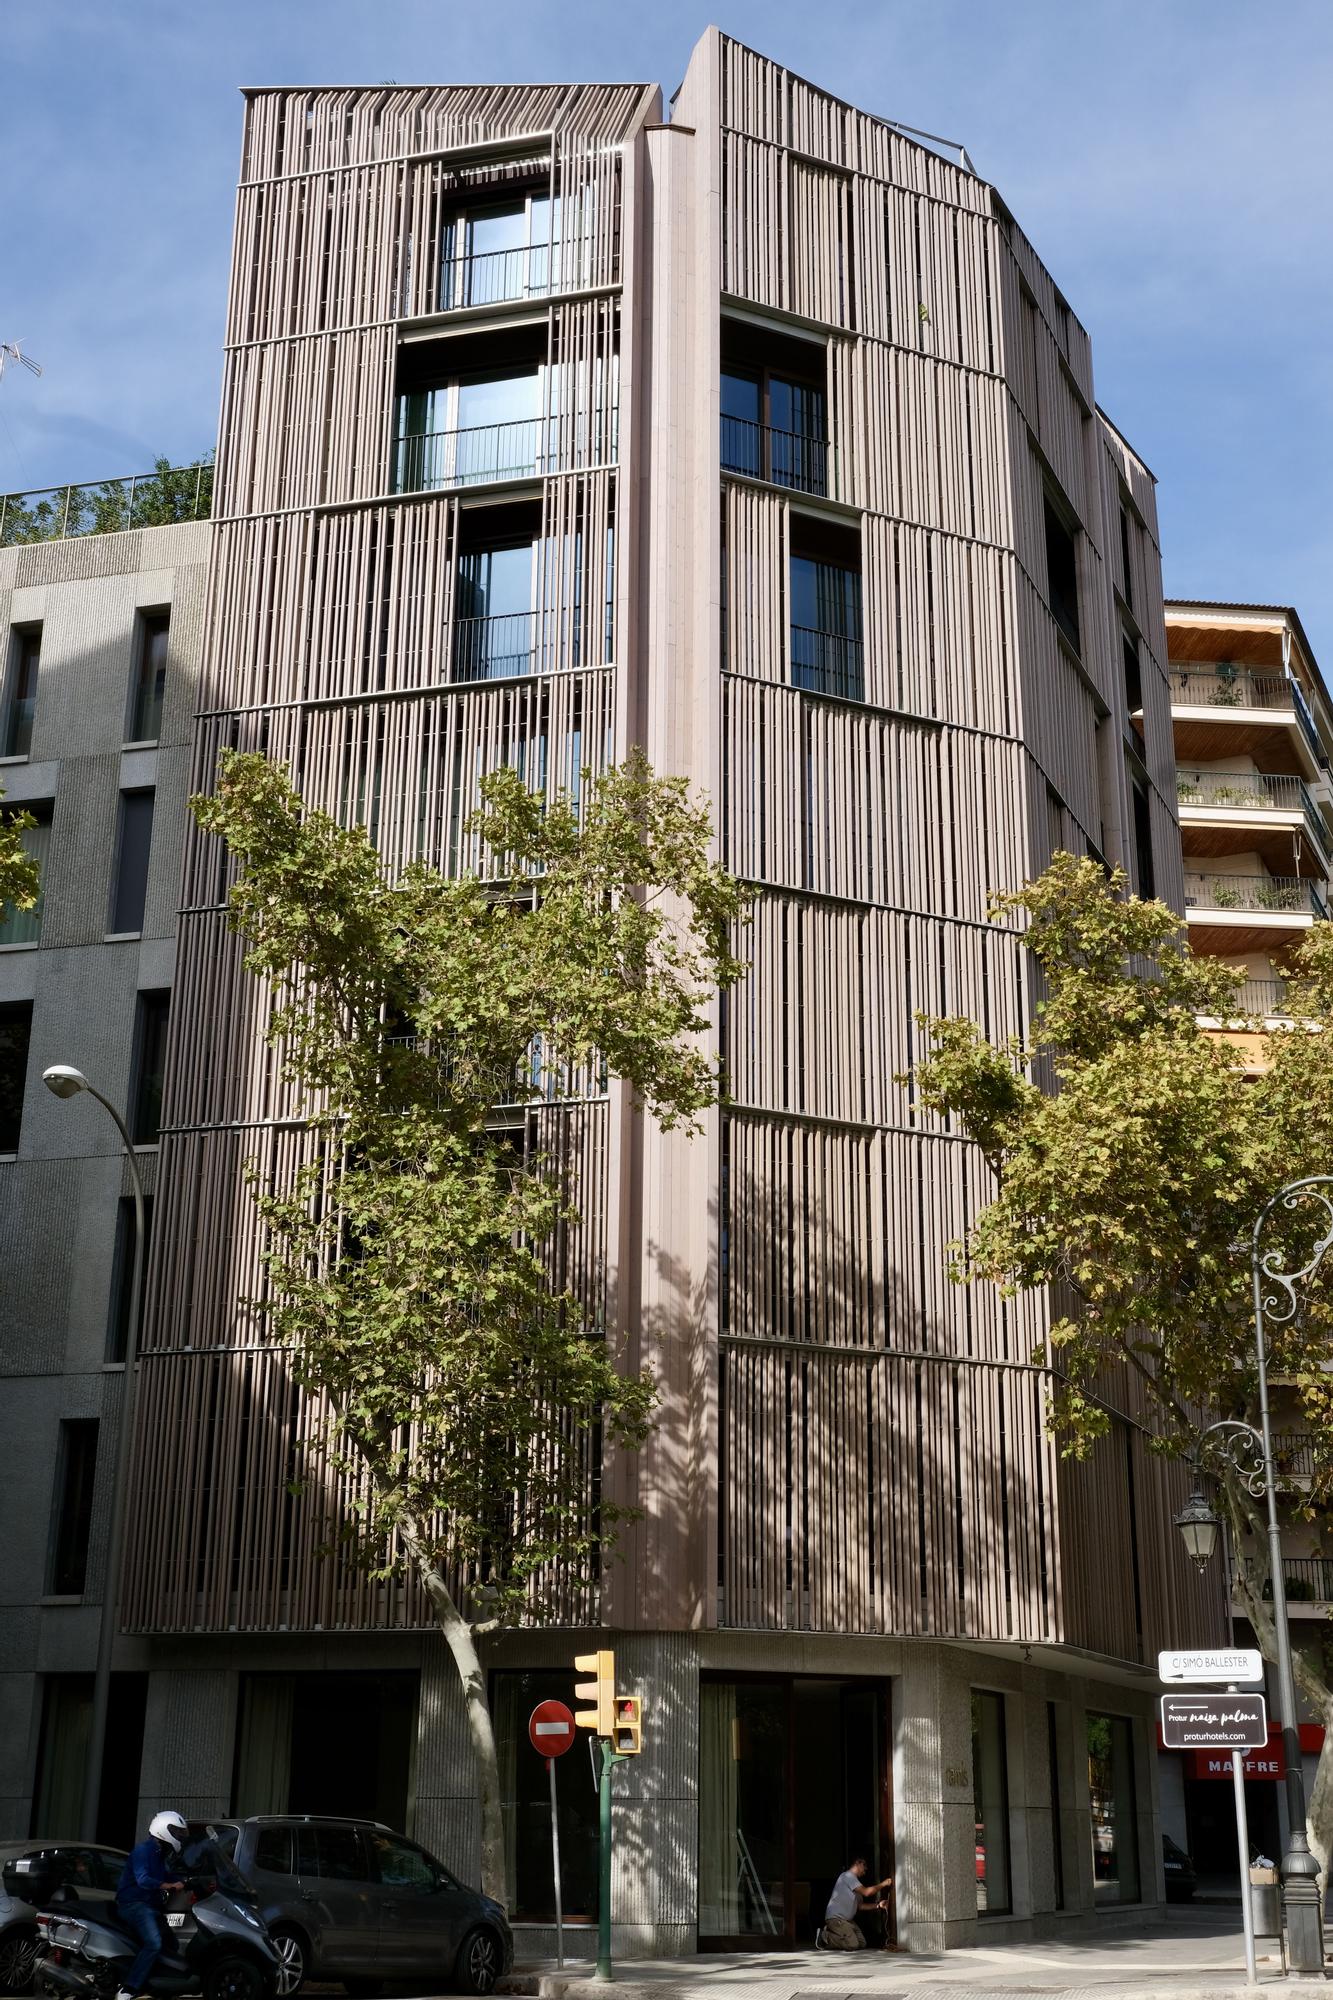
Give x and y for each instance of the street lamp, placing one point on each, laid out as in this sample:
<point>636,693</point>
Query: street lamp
<point>65,1081</point>
<point>1250,1454</point>
<point>1199,1526</point>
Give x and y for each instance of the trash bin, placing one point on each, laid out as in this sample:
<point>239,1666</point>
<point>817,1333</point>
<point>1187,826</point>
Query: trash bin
<point>1265,1902</point>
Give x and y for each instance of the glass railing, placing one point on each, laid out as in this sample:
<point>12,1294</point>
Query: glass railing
<point>154,499</point>
<point>783,458</point>
<point>827,663</point>
<point>1274,894</point>
<point>527,448</point>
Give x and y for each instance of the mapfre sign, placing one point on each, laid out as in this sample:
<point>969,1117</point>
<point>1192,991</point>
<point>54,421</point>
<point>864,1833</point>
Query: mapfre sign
<point>1267,1762</point>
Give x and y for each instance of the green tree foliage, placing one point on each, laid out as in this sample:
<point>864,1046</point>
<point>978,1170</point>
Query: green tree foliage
<point>409,1261</point>
<point>1133,1186</point>
<point>152,500</point>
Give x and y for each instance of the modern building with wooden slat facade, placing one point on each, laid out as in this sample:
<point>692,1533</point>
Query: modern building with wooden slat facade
<point>757,435</point>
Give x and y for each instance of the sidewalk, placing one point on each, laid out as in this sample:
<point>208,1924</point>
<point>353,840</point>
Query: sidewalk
<point>1193,1954</point>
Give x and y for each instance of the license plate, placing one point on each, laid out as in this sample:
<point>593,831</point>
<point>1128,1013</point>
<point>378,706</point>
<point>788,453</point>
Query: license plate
<point>176,1919</point>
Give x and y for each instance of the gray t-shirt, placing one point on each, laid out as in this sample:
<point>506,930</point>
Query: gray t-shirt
<point>845,1900</point>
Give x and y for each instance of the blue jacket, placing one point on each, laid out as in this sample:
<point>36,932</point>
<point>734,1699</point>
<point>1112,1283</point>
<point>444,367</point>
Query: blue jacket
<point>142,1877</point>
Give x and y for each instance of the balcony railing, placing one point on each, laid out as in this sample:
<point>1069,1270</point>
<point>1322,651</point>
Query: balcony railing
<point>532,271</point>
<point>1237,687</point>
<point>1258,791</point>
<point>1309,1579</point>
<point>1263,999</point>
<point>827,663</point>
<point>528,448</point>
<point>146,500</point>
<point>783,458</point>
<point>1268,893</point>
<point>521,642</point>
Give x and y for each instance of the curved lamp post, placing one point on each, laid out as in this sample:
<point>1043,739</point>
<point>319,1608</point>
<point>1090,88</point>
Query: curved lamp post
<point>1250,1454</point>
<point>65,1081</point>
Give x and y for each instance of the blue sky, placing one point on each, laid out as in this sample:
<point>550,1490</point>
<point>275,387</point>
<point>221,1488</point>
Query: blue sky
<point>1171,159</point>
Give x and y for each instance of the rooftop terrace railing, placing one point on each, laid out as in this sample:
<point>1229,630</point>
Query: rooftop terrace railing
<point>157,499</point>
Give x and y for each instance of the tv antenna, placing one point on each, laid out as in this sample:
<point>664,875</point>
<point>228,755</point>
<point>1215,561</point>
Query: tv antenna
<point>12,350</point>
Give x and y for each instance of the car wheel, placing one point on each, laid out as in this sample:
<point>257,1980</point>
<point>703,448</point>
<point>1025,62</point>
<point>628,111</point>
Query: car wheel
<point>294,1970</point>
<point>18,1955</point>
<point>479,1962</point>
<point>235,1978</point>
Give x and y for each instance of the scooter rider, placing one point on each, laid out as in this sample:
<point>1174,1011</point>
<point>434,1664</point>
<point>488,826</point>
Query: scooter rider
<point>139,1896</point>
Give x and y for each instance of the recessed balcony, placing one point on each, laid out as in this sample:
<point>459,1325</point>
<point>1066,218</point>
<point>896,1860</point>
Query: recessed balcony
<point>1269,811</point>
<point>1229,915</point>
<point>794,459</point>
<point>1221,711</point>
<point>440,461</point>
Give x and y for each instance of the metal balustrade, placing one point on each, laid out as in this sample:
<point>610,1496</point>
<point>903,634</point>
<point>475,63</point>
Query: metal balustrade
<point>1309,1579</point>
<point>1237,687</point>
<point>107,506</point>
<point>523,642</point>
<point>527,448</point>
<point>530,271</point>
<point>1257,791</point>
<point>1268,893</point>
<point>783,458</point>
<point>1263,998</point>
<point>827,663</point>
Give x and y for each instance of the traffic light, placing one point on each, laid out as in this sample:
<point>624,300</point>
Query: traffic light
<point>628,1740</point>
<point>601,1719</point>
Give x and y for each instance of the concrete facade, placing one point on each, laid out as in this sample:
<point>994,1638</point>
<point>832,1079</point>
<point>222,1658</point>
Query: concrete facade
<point>59,1198</point>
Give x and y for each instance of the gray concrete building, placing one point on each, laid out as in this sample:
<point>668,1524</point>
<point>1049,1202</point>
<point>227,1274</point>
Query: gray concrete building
<point>100,638</point>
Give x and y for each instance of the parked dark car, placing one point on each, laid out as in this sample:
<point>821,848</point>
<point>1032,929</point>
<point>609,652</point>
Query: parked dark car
<point>1181,1880</point>
<point>350,1900</point>
<point>92,1871</point>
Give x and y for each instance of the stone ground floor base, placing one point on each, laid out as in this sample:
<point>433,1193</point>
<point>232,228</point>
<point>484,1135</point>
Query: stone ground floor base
<point>1002,1787</point>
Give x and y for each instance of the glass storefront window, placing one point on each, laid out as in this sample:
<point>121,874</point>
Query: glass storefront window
<point>742,1809</point>
<point>527,1803</point>
<point>990,1787</point>
<point>1115,1833</point>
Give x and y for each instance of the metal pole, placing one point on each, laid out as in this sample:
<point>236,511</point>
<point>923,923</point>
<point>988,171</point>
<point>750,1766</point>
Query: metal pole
<point>106,1633</point>
<point>1243,1849</point>
<point>555,1864</point>
<point>604,1877</point>
<point>1300,1870</point>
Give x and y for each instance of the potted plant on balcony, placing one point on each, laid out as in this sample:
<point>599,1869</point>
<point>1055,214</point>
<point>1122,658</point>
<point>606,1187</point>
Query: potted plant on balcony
<point>1224,896</point>
<point>1228,693</point>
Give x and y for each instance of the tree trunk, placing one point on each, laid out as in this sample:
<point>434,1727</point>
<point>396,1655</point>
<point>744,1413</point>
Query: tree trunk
<point>1319,1811</point>
<point>458,1637</point>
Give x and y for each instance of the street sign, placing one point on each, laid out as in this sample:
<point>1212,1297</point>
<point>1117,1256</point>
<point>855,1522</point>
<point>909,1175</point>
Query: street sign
<point>1214,1721</point>
<point>551,1729</point>
<point>1235,1663</point>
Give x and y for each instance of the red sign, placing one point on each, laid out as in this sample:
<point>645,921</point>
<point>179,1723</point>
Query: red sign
<point>551,1729</point>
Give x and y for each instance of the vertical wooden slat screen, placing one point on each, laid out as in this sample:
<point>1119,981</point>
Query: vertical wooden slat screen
<point>332,648</point>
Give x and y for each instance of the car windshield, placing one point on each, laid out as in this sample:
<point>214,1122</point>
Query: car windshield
<point>208,1851</point>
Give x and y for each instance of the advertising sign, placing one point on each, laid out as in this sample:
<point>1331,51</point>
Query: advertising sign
<point>1214,1721</point>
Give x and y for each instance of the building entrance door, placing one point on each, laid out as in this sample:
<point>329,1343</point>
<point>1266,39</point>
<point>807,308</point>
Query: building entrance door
<point>794,1782</point>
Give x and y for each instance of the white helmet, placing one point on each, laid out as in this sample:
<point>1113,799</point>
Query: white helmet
<point>169,1827</point>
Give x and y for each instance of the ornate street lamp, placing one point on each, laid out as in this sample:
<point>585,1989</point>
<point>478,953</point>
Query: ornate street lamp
<point>1249,1452</point>
<point>1199,1528</point>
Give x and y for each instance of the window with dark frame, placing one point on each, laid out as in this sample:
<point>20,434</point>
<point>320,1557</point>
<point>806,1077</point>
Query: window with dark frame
<point>1133,674</point>
<point>990,1785</point>
<point>76,1473</point>
<point>15,1035</point>
<point>1126,566</point>
<point>1145,879</point>
<point>774,401</point>
<point>150,1050</point>
<point>825,595</point>
<point>122,1275</point>
<point>130,891</point>
<point>21,694</point>
<point>1062,573</point>
<point>150,676</point>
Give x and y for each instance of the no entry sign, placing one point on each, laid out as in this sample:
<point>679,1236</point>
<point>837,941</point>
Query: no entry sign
<point>551,1729</point>
<point>1214,1721</point>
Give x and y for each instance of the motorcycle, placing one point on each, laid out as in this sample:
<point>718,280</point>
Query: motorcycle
<point>216,1945</point>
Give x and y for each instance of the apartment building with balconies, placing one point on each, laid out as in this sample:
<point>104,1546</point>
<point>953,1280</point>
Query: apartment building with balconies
<point>752,430</point>
<point>1253,731</point>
